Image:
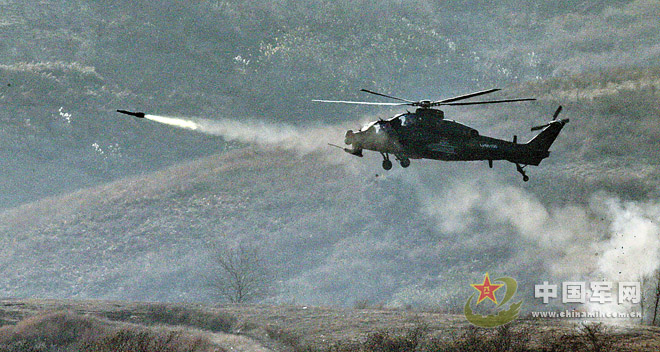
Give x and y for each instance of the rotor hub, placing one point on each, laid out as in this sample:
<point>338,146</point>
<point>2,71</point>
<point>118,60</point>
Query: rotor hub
<point>424,104</point>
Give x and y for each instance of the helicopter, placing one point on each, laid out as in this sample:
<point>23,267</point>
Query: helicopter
<point>426,134</point>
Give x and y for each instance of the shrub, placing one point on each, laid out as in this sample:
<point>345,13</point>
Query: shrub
<point>594,337</point>
<point>136,339</point>
<point>174,315</point>
<point>51,329</point>
<point>286,337</point>
<point>67,331</point>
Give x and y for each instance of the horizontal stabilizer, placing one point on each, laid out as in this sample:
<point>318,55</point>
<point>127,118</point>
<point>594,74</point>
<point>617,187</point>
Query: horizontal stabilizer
<point>563,122</point>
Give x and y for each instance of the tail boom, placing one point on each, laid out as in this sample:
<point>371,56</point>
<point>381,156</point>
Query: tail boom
<point>544,140</point>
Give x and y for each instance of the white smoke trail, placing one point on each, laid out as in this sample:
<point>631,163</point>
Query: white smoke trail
<point>259,133</point>
<point>251,132</point>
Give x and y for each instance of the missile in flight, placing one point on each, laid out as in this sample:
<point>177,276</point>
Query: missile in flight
<point>136,114</point>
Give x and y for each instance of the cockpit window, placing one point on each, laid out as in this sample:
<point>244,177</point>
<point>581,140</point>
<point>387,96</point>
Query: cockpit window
<point>407,120</point>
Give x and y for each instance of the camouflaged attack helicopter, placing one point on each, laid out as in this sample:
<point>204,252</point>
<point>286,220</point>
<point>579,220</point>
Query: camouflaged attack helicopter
<point>426,134</point>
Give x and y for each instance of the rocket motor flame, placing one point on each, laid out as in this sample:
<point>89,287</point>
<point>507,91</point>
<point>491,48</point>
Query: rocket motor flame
<point>173,121</point>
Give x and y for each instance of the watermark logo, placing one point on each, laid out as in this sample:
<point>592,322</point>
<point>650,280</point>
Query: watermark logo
<point>595,292</point>
<point>622,302</point>
<point>487,290</point>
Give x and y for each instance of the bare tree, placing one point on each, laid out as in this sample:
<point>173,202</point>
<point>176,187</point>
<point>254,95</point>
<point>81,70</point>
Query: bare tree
<point>657,296</point>
<point>644,281</point>
<point>241,275</point>
<point>595,336</point>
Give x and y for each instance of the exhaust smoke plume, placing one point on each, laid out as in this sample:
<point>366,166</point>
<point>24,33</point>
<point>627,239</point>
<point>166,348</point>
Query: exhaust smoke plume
<point>606,239</point>
<point>633,249</point>
<point>259,133</point>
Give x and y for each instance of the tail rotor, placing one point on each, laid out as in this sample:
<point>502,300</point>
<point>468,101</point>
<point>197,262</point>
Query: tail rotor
<point>554,120</point>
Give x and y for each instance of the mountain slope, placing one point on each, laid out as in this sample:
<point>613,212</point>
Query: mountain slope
<point>66,66</point>
<point>330,232</point>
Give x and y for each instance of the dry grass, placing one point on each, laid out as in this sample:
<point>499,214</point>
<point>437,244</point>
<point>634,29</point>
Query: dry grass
<point>132,339</point>
<point>176,327</point>
<point>68,331</point>
<point>167,314</point>
<point>419,339</point>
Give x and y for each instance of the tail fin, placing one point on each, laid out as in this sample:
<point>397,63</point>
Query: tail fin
<point>551,130</point>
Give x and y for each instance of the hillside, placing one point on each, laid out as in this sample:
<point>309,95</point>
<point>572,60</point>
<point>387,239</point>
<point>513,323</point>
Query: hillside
<point>145,224</point>
<point>66,66</point>
<point>332,229</point>
<point>149,237</point>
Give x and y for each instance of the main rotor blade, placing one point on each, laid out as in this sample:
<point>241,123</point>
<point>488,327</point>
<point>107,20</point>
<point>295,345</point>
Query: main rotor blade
<point>461,97</point>
<point>485,102</point>
<point>359,102</point>
<point>386,96</point>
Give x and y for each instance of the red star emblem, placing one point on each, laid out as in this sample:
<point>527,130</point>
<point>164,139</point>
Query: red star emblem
<point>487,290</point>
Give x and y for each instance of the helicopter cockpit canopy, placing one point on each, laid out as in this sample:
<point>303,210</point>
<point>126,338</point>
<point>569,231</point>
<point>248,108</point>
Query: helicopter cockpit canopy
<point>421,117</point>
<point>368,125</point>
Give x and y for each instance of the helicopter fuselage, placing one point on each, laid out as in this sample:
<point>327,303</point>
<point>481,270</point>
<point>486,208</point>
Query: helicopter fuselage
<point>425,134</point>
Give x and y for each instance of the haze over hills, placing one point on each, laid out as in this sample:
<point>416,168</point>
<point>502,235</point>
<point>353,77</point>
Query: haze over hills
<point>335,229</point>
<point>100,206</point>
<point>67,65</point>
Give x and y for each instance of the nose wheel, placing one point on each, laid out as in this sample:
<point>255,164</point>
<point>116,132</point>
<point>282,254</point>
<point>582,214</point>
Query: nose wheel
<point>387,164</point>
<point>521,169</point>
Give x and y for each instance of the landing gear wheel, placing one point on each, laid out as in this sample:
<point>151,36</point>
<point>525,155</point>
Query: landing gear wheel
<point>521,169</point>
<point>387,164</point>
<point>405,162</point>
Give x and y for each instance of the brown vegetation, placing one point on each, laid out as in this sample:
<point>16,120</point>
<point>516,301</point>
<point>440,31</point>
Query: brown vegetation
<point>68,331</point>
<point>117,326</point>
<point>164,314</point>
